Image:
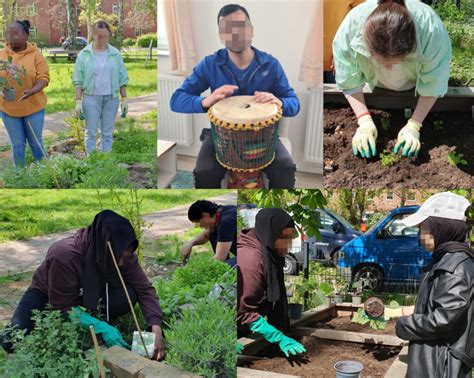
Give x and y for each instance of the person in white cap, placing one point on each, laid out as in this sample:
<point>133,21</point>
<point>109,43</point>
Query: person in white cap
<point>441,329</point>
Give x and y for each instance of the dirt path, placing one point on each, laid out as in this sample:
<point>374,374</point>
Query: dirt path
<point>54,123</point>
<point>25,255</point>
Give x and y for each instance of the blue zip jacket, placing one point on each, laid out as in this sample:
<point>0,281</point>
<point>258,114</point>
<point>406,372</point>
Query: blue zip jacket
<point>213,72</point>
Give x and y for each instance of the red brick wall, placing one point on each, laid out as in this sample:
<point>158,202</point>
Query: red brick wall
<point>47,24</point>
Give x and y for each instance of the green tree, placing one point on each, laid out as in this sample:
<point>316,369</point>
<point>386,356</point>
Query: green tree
<point>351,204</point>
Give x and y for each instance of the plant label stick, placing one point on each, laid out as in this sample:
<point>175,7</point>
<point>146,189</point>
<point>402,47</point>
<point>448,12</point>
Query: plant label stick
<point>128,298</point>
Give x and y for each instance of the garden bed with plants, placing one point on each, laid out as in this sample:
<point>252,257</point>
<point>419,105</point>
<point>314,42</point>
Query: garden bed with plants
<point>329,336</point>
<point>131,164</point>
<point>446,158</point>
<point>198,303</point>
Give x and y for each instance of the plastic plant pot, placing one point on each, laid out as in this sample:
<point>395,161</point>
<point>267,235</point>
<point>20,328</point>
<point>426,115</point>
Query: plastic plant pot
<point>294,310</point>
<point>9,94</point>
<point>327,301</point>
<point>348,369</point>
<point>337,298</point>
<point>356,299</point>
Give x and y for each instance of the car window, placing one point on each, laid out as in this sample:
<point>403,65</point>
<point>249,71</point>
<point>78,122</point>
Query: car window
<point>326,221</point>
<point>397,228</point>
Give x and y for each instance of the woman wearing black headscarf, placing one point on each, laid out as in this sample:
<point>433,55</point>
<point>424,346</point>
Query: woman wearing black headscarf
<point>441,329</point>
<point>261,286</point>
<point>79,271</point>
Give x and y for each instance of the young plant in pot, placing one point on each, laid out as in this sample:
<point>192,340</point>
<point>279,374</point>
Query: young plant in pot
<point>295,307</point>
<point>357,293</point>
<point>326,289</point>
<point>337,294</point>
<point>10,74</point>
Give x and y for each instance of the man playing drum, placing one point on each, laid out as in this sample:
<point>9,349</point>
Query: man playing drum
<point>239,69</point>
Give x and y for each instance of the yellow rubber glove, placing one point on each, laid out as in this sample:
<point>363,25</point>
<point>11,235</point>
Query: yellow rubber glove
<point>363,141</point>
<point>409,138</point>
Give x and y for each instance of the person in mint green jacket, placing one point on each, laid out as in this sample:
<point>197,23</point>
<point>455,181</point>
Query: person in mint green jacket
<point>393,44</point>
<point>99,76</point>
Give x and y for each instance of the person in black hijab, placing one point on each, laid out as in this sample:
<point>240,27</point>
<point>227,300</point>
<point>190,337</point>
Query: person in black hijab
<point>441,329</point>
<point>261,285</point>
<point>79,278</point>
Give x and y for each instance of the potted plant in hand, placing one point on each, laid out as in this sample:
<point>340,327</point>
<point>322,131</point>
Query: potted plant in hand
<point>12,74</point>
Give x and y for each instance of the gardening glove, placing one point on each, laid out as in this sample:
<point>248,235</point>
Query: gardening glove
<point>111,335</point>
<point>124,107</point>
<point>239,348</point>
<point>365,137</point>
<point>78,110</point>
<point>273,335</point>
<point>409,138</point>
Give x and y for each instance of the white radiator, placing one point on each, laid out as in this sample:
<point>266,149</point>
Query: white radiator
<point>313,147</point>
<point>176,127</point>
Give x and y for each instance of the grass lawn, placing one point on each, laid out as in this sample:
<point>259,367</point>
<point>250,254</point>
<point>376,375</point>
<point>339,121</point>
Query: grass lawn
<point>61,93</point>
<point>26,213</point>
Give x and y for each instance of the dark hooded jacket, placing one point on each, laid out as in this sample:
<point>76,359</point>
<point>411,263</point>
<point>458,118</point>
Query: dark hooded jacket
<point>441,330</point>
<point>76,269</point>
<point>260,285</point>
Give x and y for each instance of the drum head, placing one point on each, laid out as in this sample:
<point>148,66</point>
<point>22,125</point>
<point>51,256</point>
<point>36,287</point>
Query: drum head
<point>243,110</point>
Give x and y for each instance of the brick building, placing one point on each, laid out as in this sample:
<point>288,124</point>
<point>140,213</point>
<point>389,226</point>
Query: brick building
<point>387,200</point>
<point>48,18</point>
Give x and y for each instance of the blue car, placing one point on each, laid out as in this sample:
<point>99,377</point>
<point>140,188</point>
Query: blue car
<point>389,252</point>
<point>335,232</point>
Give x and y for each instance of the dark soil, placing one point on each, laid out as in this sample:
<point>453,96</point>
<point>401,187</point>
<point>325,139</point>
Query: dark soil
<point>323,354</point>
<point>344,323</point>
<point>430,169</point>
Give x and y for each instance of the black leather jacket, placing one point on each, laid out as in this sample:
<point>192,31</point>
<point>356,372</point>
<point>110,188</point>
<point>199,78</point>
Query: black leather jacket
<point>441,330</point>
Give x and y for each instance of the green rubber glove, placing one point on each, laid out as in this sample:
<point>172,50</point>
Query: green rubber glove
<point>363,141</point>
<point>239,348</point>
<point>409,139</point>
<point>273,335</point>
<point>111,335</point>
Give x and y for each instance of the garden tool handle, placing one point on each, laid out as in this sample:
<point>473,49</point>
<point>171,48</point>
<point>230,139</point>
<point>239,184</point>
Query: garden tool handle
<point>128,298</point>
<point>97,352</point>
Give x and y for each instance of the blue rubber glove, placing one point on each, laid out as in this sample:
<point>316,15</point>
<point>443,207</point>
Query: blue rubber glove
<point>273,335</point>
<point>111,335</point>
<point>239,348</point>
<point>363,141</point>
<point>409,139</point>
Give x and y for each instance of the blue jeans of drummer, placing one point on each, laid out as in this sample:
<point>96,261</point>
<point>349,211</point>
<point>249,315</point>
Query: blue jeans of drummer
<point>20,132</point>
<point>99,114</point>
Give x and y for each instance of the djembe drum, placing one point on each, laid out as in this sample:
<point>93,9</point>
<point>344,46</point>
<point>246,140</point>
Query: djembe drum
<point>245,134</point>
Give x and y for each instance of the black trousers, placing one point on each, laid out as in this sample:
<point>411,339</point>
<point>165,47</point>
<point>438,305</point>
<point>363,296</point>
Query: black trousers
<point>208,173</point>
<point>36,300</point>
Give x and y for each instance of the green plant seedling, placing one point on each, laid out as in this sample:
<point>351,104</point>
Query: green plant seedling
<point>438,125</point>
<point>385,123</point>
<point>387,159</point>
<point>456,159</point>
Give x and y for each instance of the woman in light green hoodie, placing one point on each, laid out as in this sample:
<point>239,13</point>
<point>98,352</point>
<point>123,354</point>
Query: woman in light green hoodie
<point>398,45</point>
<point>99,76</point>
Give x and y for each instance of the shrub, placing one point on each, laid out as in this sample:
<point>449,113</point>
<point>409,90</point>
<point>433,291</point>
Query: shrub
<point>203,339</point>
<point>52,349</point>
<point>130,42</point>
<point>144,40</point>
<point>201,268</point>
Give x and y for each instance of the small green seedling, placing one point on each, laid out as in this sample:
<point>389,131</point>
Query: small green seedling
<point>385,123</point>
<point>438,125</point>
<point>387,159</point>
<point>456,159</point>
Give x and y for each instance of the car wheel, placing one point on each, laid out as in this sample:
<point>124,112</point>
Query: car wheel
<point>336,256</point>
<point>291,265</point>
<point>370,277</point>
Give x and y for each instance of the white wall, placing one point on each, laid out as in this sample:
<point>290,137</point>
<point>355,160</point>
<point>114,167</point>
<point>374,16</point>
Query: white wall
<point>281,28</point>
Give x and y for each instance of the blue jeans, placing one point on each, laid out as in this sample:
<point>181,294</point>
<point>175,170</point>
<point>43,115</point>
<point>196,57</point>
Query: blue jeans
<point>99,112</point>
<point>19,132</point>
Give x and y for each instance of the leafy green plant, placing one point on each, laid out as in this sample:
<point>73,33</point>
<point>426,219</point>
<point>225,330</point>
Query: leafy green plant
<point>438,125</point>
<point>387,159</point>
<point>202,340</point>
<point>52,349</point>
<point>13,74</point>
<point>385,123</point>
<point>360,317</point>
<point>456,159</point>
<point>145,39</point>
